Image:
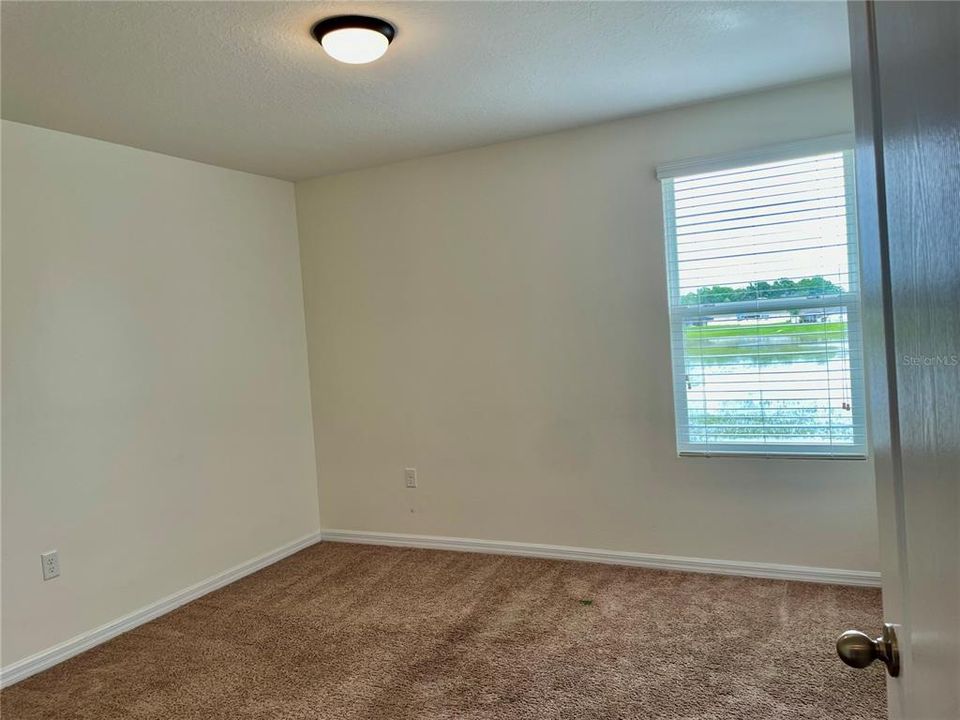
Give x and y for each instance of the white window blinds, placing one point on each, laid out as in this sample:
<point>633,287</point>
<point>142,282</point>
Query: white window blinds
<point>762,269</point>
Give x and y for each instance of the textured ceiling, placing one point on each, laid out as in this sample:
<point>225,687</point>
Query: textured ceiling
<point>243,85</point>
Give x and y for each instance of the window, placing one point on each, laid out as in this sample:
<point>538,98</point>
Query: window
<point>764,302</point>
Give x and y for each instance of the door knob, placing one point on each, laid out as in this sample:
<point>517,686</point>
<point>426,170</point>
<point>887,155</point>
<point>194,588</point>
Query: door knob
<point>858,650</point>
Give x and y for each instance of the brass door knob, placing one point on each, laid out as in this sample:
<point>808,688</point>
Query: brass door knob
<point>858,650</point>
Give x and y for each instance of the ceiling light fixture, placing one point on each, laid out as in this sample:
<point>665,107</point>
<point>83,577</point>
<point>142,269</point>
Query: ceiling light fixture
<point>354,39</point>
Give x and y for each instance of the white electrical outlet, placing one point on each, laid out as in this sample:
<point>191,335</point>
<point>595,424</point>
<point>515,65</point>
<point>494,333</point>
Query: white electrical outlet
<point>411,476</point>
<point>51,564</point>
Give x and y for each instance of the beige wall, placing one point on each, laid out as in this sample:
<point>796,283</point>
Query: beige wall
<point>156,420</point>
<point>497,318</point>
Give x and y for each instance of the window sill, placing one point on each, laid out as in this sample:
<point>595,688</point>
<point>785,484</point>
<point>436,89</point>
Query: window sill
<point>771,455</point>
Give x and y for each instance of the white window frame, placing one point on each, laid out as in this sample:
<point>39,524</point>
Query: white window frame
<point>851,300</point>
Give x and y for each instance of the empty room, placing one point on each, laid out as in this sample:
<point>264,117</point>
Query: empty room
<point>480,360</point>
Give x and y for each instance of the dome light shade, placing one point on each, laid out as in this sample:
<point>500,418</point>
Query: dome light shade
<point>354,39</point>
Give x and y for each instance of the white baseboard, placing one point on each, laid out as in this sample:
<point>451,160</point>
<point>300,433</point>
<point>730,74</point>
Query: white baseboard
<point>58,653</point>
<point>611,557</point>
<point>48,658</point>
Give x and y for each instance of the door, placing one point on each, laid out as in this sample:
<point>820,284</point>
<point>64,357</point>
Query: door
<point>906,79</point>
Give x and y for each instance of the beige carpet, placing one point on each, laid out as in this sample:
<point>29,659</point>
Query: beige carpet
<point>345,632</point>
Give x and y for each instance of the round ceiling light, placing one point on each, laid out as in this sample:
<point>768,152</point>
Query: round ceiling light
<point>354,39</point>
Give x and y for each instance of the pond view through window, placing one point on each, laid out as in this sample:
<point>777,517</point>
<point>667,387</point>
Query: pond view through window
<point>764,305</point>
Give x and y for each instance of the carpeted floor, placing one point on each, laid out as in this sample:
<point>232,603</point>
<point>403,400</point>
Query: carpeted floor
<point>344,632</point>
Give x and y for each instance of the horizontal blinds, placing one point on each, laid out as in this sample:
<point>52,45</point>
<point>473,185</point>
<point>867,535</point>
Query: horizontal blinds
<point>765,312</point>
